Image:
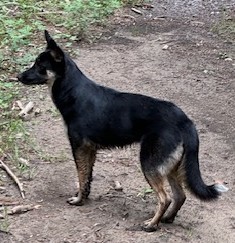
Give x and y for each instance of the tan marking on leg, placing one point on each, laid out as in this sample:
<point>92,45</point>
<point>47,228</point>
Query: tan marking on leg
<point>171,162</point>
<point>178,196</point>
<point>84,159</point>
<point>157,184</point>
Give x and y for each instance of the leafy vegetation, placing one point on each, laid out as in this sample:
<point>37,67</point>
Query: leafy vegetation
<point>4,224</point>
<point>81,14</point>
<point>225,27</point>
<point>13,136</point>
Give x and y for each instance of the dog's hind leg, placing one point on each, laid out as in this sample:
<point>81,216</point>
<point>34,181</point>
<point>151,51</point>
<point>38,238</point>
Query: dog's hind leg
<point>84,157</point>
<point>178,196</point>
<point>157,184</point>
<point>161,152</point>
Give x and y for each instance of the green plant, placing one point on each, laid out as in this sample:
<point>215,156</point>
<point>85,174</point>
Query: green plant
<point>27,171</point>
<point>144,192</point>
<point>15,31</point>
<point>12,131</point>
<point>80,14</point>
<point>225,27</point>
<point>133,2</point>
<point>4,223</point>
<point>7,93</point>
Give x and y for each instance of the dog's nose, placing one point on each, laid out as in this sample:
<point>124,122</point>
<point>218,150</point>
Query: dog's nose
<point>19,76</point>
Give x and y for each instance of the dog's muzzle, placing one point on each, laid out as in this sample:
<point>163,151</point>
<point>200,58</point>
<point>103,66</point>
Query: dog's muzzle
<point>19,76</point>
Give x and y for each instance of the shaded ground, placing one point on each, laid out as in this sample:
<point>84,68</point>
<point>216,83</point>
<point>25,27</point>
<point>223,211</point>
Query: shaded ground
<point>130,57</point>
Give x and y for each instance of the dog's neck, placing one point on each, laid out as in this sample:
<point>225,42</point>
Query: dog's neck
<point>51,79</point>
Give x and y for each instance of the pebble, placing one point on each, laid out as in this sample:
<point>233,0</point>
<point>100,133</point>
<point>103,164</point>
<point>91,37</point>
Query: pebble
<point>165,47</point>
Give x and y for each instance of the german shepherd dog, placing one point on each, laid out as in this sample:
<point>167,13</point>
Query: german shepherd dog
<point>98,117</point>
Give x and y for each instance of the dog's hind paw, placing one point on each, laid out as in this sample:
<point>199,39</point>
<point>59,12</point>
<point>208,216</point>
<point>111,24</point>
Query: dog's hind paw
<point>148,228</point>
<point>167,220</point>
<point>75,201</point>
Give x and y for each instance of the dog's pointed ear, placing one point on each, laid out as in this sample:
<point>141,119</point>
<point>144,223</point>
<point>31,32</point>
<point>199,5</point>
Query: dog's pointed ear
<point>55,51</point>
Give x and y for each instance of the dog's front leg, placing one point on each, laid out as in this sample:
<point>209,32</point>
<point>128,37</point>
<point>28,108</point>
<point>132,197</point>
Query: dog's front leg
<point>84,157</point>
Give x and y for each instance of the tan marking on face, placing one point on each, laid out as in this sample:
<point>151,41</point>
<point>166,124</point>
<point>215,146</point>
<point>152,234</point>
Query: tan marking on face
<point>172,161</point>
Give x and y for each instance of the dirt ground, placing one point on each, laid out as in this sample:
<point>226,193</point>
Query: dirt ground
<point>132,56</point>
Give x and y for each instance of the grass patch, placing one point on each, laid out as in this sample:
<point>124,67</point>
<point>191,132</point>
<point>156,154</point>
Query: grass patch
<point>226,27</point>
<point>13,135</point>
<point>87,12</point>
<point>4,223</point>
<point>22,22</point>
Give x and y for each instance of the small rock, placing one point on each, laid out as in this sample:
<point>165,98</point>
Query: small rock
<point>26,118</point>
<point>24,162</point>
<point>197,23</point>
<point>228,59</point>
<point>117,186</point>
<point>19,135</point>
<point>165,47</point>
<point>2,189</point>
<point>37,111</point>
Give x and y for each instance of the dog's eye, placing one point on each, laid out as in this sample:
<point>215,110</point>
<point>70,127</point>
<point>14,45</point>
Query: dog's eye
<point>41,69</point>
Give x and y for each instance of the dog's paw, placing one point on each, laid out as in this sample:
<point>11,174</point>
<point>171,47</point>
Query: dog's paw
<point>167,220</point>
<point>142,227</point>
<point>75,201</point>
<point>148,226</point>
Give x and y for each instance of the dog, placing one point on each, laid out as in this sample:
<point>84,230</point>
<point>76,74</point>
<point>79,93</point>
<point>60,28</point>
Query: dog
<point>99,117</point>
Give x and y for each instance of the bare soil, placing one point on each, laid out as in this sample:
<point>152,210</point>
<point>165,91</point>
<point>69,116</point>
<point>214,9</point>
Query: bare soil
<point>130,57</point>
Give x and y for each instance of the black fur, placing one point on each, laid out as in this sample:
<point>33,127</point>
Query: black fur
<point>105,118</point>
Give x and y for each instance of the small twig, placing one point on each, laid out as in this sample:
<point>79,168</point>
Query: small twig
<point>50,12</point>
<point>13,79</point>
<point>6,201</point>
<point>20,209</point>
<point>160,17</point>
<point>145,5</point>
<point>136,11</point>
<point>128,16</point>
<point>26,109</point>
<point>13,176</point>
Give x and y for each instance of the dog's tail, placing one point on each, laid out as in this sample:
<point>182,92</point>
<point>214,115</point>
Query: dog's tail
<point>191,163</point>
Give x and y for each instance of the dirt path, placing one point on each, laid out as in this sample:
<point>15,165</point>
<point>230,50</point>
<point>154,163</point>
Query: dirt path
<point>132,59</point>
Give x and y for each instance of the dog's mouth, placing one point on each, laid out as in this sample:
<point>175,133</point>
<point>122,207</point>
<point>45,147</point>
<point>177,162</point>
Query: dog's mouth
<point>31,82</point>
<point>28,81</point>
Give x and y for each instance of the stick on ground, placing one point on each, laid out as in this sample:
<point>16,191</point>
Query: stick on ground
<point>13,176</point>
<point>6,201</point>
<point>24,112</point>
<point>19,209</point>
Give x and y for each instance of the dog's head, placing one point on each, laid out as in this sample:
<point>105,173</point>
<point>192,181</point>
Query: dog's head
<point>48,66</point>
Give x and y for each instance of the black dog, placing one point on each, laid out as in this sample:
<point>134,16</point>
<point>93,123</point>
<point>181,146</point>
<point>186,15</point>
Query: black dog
<point>99,117</point>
